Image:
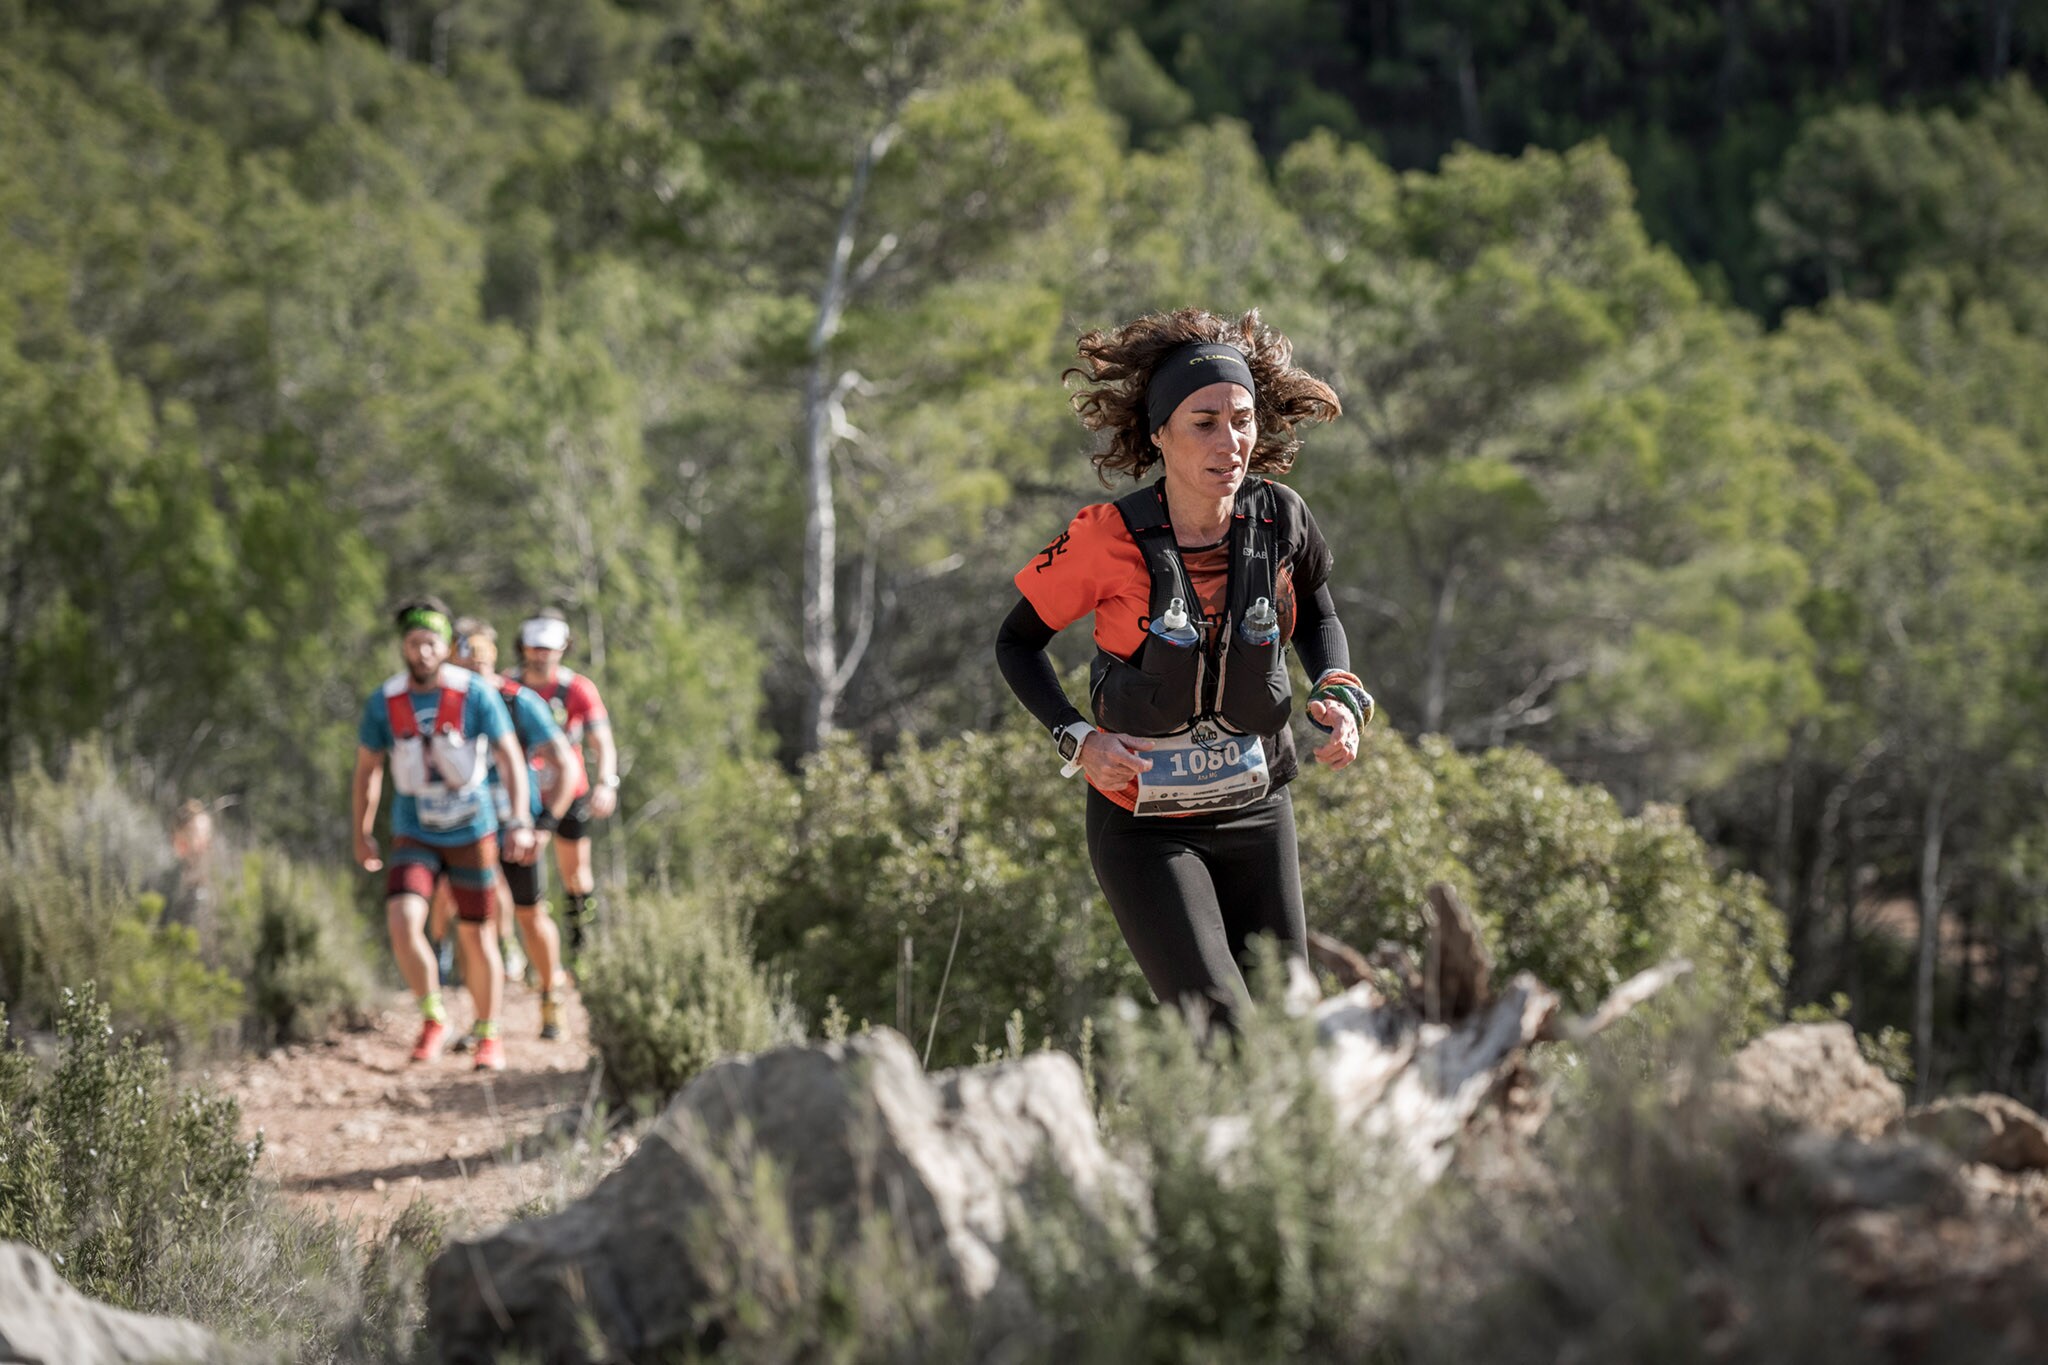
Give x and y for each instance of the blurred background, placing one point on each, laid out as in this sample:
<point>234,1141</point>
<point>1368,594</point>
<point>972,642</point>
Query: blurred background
<point>1689,497</point>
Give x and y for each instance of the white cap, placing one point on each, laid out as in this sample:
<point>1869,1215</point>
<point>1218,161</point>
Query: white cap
<point>544,632</point>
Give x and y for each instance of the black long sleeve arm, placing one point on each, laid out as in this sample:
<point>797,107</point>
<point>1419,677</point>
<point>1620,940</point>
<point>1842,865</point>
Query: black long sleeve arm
<point>1319,636</point>
<point>1020,653</point>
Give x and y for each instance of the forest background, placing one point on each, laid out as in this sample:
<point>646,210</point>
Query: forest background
<point>1694,473</point>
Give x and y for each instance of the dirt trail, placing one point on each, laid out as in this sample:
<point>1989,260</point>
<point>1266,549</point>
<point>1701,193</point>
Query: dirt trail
<point>352,1128</point>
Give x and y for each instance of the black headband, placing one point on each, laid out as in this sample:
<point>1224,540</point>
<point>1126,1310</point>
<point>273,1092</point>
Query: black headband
<point>1196,365</point>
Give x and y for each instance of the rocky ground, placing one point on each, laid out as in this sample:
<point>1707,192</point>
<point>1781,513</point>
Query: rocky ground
<point>352,1128</point>
<point>1796,1193</point>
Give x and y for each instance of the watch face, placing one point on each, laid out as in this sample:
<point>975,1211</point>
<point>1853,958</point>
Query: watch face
<point>1069,745</point>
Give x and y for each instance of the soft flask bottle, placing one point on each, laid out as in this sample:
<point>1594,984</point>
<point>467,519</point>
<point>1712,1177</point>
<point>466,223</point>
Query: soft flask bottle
<point>1261,625</point>
<point>1174,627</point>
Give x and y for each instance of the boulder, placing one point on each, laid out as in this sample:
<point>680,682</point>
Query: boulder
<point>1814,1074</point>
<point>44,1321</point>
<point>1995,1130</point>
<point>642,1267</point>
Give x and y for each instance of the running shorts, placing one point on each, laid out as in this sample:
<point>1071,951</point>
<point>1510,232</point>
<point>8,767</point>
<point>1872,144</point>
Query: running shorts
<point>576,822</point>
<point>471,870</point>
<point>526,881</point>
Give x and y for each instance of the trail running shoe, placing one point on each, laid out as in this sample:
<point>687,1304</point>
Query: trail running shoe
<point>432,1034</point>
<point>490,1053</point>
<point>550,1020</point>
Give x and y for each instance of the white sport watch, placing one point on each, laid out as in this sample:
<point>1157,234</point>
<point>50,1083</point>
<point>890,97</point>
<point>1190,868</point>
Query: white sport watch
<point>1069,742</point>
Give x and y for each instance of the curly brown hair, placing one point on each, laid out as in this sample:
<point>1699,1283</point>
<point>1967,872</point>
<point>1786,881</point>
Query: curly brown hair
<point>1117,366</point>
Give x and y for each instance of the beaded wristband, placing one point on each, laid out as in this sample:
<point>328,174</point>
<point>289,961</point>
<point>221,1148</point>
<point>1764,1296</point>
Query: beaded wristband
<point>1344,689</point>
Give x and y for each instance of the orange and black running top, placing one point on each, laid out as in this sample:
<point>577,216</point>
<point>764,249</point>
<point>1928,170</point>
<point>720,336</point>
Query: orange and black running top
<point>1095,567</point>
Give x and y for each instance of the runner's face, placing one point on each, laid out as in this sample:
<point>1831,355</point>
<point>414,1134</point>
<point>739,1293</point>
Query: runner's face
<point>1206,445</point>
<point>472,658</point>
<point>425,651</point>
<point>541,661</point>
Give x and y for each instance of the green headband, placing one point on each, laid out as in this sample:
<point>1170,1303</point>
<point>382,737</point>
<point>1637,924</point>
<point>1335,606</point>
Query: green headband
<point>425,618</point>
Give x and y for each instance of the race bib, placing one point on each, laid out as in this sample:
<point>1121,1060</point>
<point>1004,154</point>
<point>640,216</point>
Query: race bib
<point>1207,768</point>
<point>440,808</point>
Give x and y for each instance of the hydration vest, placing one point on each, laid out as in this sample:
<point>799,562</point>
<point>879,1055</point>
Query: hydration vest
<point>444,761</point>
<point>540,761</point>
<point>1162,689</point>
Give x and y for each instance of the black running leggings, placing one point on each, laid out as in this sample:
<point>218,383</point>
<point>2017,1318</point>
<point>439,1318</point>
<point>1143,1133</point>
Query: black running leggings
<point>1190,892</point>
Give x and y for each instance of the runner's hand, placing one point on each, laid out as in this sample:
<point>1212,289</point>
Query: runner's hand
<point>1335,717</point>
<point>1113,762</point>
<point>519,845</point>
<point>366,854</point>
<point>603,801</point>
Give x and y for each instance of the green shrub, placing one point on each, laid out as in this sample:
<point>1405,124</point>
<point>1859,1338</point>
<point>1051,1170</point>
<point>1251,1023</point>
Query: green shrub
<point>300,945</point>
<point>1565,885</point>
<point>978,835</point>
<point>1287,1248</point>
<point>106,1166</point>
<point>785,1292</point>
<point>281,953</point>
<point>670,988</point>
<point>982,834</point>
<point>143,1194</point>
<point>77,905</point>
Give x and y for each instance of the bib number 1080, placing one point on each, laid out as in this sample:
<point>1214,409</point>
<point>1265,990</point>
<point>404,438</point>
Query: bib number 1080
<point>1197,762</point>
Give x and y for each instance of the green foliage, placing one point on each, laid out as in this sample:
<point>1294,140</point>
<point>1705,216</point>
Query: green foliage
<point>388,1321</point>
<point>308,306</point>
<point>1268,1234</point>
<point>108,1168</point>
<point>1868,197</point>
<point>782,1292</point>
<point>670,989</point>
<point>884,865</point>
<point>143,1194</point>
<point>76,908</point>
<point>1700,99</point>
<point>981,834</point>
<point>1890,1050</point>
<point>275,958</point>
<point>1564,884</point>
<point>299,945</point>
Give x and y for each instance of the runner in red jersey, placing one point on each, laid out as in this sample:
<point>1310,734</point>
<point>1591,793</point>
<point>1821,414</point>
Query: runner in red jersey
<point>579,710</point>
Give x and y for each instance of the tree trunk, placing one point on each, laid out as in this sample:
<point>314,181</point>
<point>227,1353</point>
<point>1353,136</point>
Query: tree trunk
<point>398,29</point>
<point>12,747</point>
<point>1852,896</point>
<point>1998,38</point>
<point>1784,877</point>
<point>2041,1009</point>
<point>2001,1049</point>
<point>1933,821</point>
<point>1821,871</point>
<point>1734,54</point>
<point>1435,680</point>
<point>822,660</point>
<point>1468,94</point>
